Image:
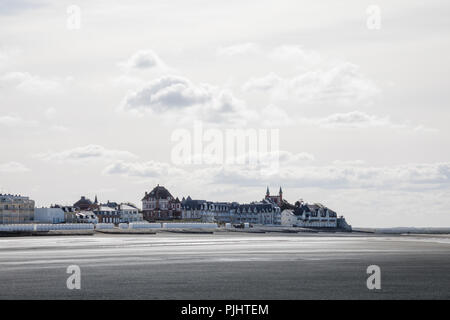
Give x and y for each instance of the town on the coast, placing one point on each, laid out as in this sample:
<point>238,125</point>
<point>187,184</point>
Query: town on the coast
<point>160,209</point>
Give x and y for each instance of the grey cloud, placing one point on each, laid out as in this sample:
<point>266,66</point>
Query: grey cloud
<point>168,92</point>
<point>86,153</point>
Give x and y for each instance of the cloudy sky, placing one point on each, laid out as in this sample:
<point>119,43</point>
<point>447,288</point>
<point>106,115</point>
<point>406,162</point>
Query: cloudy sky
<point>90,100</point>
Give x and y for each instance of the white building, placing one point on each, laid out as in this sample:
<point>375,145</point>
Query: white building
<point>129,213</point>
<point>310,216</point>
<point>49,215</point>
<point>107,214</point>
<point>86,217</point>
<point>288,218</point>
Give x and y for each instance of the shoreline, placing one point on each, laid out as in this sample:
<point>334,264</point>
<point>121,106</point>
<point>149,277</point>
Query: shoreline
<point>302,232</point>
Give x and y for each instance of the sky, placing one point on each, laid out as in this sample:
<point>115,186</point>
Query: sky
<point>97,98</point>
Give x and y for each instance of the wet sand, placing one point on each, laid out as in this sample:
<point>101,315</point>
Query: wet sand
<point>225,266</point>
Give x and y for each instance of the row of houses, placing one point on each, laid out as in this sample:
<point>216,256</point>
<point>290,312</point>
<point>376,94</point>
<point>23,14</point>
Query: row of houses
<point>159,204</point>
<point>86,211</point>
<point>17,209</point>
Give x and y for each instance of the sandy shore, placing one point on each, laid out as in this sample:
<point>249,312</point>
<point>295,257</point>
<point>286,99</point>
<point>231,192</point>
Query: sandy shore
<point>226,265</point>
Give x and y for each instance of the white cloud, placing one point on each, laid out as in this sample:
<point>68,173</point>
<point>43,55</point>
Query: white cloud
<point>8,56</point>
<point>29,83</point>
<point>296,54</point>
<point>203,172</point>
<point>349,162</point>
<point>147,169</point>
<point>143,60</point>
<point>267,82</point>
<point>416,177</point>
<point>181,98</point>
<point>341,84</point>
<point>238,49</point>
<point>422,128</point>
<point>274,116</point>
<point>16,121</point>
<point>355,119</point>
<point>13,167</point>
<point>87,153</point>
<point>165,93</point>
<point>261,160</point>
<point>361,120</point>
<point>127,81</point>
<point>287,157</point>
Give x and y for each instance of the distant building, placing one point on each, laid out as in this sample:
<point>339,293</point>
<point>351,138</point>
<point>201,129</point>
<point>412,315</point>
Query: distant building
<point>310,215</point>
<point>194,209</point>
<point>263,212</point>
<point>16,209</point>
<point>49,215</point>
<point>288,218</point>
<point>106,214</point>
<point>86,217</point>
<point>224,211</point>
<point>109,212</point>
<point>83,204</point>
<point>159,204</point>
<point>278,199</point>
<point>112,212</point>
<point>128,212</point>
<point>208,211</point>
<point>69,213</point>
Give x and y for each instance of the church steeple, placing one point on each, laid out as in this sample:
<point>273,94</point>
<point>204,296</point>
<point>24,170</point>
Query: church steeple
<point>95,199</point>
<point>267,192</point>
<point>281,191</point>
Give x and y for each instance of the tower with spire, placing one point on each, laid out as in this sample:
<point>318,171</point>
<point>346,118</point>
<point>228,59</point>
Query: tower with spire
<point>277,199</point>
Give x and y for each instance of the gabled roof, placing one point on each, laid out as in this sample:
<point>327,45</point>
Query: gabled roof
<point>82,202</point>
<point>159,192</point>
<point>190,204</point>
<point>127,206</point>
